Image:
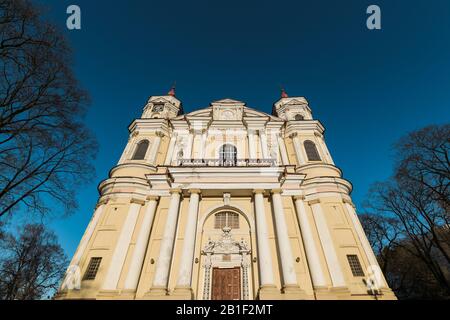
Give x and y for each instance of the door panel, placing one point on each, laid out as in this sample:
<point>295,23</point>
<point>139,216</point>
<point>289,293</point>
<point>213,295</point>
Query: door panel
<point>226,284</point>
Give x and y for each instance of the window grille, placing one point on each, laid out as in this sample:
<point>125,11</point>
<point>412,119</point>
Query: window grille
<point>355,265</point>
<point>92,268</point>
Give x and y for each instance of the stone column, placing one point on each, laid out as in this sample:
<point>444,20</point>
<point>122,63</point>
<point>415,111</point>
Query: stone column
<point>325,149</point>
<point>122,244</point>
<point>137,260</point>
<point>169,155</point>
<point>251,144</point>
<point>203,144</point>
<point>298,148</point>
<point>365,243</point>
<point>166,249</point>
<point>283,151</point>
<point>190,144</point>
<point>126,151</point>
<point>155,147</point>
<point>284,243</point>
<point>74,264</point>
<point>326,240</point>
<point>262,237</point>
<point>187,255</point>
<point>263,142</point>
<point>312,253</point>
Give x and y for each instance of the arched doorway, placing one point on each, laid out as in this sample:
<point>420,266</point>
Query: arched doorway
<point>225,272</point>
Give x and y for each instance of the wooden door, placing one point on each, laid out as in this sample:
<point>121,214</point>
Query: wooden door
<point>226,284</point>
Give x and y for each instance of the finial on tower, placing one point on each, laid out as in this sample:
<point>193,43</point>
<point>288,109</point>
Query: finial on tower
<point>172,90</point>
<point>283,93</point>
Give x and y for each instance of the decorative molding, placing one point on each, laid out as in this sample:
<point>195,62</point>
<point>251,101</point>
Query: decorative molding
<point>175,190</point>
<point>314,201</point>
<point>240,256</point>
<point>138,201</point>
<point>152,198</point>
<point>259,191</point>
<point>102,202</point>
<point>226,199</point>
<point>276,190</point>
<point>197,191</point>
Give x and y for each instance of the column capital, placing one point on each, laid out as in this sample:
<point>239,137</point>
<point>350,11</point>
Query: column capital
<point>318,134</point>
<point>175,190</point>
<point>160,134</point>
<point>197,132</point>
<point>314,201</point>
<point>259,191</point>
<point>276,191</point>
<point>137,201</point>
<point>293,135</point>
<point>344,200</point>
<point>299,197</point>
<point>153,198</point>
<point>101,202</point>
<point>196,191</point>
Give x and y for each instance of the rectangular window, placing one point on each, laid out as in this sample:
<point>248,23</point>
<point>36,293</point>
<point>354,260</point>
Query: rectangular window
<point>226,219</point>
<point>355,265</point>
<point>92,268</point>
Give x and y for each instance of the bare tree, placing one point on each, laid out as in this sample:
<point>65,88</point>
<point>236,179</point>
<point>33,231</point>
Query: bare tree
<point>425,160</point>
<point>415,201</point>
<point>31,264</point>
<point>383,234</point>
<point>46,151</point>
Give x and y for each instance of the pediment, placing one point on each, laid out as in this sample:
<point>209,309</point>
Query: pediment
<point>228,102</point>
<point>252,113</point>
<point>296,101</point>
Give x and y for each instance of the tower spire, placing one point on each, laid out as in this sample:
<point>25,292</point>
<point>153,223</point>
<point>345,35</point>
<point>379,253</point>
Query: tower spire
<point>283,93</point>
<point>172,90</point>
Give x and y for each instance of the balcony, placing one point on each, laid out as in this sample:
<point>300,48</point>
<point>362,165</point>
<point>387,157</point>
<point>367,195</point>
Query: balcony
<point>227,163</point>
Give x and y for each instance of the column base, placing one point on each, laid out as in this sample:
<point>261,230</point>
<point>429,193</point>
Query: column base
<point>294,292</point>
<point>269,292</point>
<point>387,294</point>
<point>332,293</point>
<point>156,293</point>
<point>108,294</point>
<point>183,293</point>
<point>128,294</point>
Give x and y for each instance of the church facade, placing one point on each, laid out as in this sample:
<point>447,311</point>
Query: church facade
<point>225,203</point>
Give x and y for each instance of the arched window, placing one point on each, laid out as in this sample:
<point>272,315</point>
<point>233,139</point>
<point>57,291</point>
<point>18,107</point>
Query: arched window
<point>226,219</point>
<point>228,155</point>
<point>141,150</point>
<point>311,151</point>
<point>299,117</point>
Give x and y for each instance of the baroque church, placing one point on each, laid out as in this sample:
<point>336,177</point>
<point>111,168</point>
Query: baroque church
<point>225,203</point>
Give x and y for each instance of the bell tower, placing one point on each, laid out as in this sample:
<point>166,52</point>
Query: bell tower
<point>163,107</point>
<point>292,109</point>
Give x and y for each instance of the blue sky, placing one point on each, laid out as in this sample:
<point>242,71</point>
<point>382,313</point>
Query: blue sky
<point>368,88</point>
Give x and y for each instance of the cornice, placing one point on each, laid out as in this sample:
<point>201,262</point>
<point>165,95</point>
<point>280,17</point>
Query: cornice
<point>143,125</point>
<point>314,125</point>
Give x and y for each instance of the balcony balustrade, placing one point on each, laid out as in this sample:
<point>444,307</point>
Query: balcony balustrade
<point>227,163</point>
